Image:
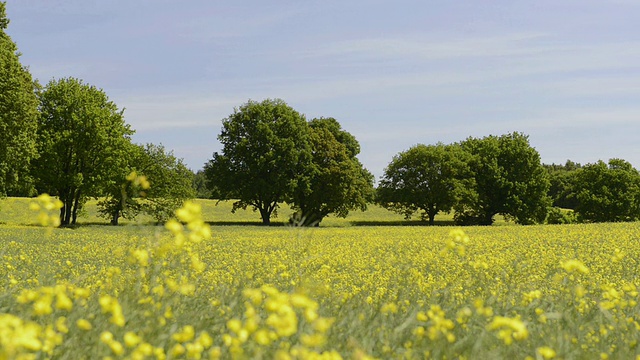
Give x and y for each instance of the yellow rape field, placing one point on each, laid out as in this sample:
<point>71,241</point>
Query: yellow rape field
<point>189,291</point>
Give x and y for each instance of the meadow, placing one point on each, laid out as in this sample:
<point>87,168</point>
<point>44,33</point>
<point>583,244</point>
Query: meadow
<point>195,289</point>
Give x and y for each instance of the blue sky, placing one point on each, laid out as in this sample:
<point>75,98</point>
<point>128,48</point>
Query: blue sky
<point>394,73</point>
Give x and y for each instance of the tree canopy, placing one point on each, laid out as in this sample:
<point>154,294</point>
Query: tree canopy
<point>265,150</point>
<point>509,179</point>
<point>171,182</point>
<point>334,182</point>
<point>425,178</point>
<point>18,115</point>
<point>153,181</point>
<point>608,192</point>
<point>562,183</point>
<point>82,142</point>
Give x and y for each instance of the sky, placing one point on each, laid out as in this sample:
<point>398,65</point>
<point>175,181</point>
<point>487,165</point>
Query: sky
<point>393,73</point>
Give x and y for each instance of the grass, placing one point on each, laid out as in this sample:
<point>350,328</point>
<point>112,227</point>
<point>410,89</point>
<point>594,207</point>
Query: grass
<point>15,211</point>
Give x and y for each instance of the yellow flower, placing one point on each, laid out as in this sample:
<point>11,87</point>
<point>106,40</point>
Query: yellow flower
<point>546,352</point>
<point>314,340</point>
<point>509,329</point>
<point>61,325</point>
<point>177,350</point>
<point>63,302</point>
<point>131,339</point>
<point>234,325</point>
<point>83,324</point>
<point>186,334</point>
<point>574,266</point>
<point>42,306</point>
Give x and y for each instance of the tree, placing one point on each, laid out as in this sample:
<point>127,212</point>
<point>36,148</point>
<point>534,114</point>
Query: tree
<point>153,181</point>
<point>170,182</point>
<point>82,143</point>
<point>120,193</point>
<point>608,192</point>
<point>200,186</point>
<point>265,149</point>
<point>334,182</point>
<point>425,177</point>
<point>562,184</point>
<point>18,116</point>
<point>508,180</point>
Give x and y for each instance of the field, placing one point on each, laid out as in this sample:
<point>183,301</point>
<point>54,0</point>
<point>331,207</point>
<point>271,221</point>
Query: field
<point>344,290</point>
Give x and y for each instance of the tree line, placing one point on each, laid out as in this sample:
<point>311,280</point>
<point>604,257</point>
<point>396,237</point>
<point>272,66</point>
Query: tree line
<point>68,139</point>
<point>271,155</point>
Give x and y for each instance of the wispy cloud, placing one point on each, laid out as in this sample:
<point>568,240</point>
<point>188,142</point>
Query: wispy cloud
<point>425,47</point>
<point>174,112</point>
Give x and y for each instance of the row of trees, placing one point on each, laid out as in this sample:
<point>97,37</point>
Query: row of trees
<point>271,155</point>
<point>479,178</point>
<point>476,178</point>
<point>68,139</point>
<point>597,192</point>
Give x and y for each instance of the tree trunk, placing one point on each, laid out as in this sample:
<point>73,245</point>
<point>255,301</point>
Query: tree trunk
<point>432,217</point>
<point>115,218</point>
<point>67,211</point>
<point>76,204</point>
<point>486,219</point>
<point>266,216</point>
<point>62,212</point>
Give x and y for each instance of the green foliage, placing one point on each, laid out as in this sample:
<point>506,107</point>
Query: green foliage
<point>265,151</point>
<point>608,192</point>
<point>82,143</point>
<point>428,178</point>
<point>18,116</point>
<point>200,186</point>
<point>508,179</point>
<point>562,184</point>
<point>335,182</point>
<point>557,216</point>
<point>169,179</point>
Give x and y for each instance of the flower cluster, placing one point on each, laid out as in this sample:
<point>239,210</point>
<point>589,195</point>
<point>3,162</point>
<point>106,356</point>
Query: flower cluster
<point>47,207</point>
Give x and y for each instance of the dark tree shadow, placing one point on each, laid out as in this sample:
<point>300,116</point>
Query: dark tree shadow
<point>403,223</point>
<point>246,223</point>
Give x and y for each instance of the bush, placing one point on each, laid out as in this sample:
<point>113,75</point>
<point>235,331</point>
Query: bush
<point>557,215</point>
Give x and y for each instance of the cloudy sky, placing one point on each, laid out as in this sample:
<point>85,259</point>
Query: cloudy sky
<point>394,73</point>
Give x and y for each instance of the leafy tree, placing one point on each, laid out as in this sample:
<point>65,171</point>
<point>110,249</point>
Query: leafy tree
<point>335,181</point>
<point>200,186</point>
<point>18,116</point>
<point>170,179</point>
<point>169,185</point>
<point>121,192</point>
<point>265,149</point>
<point>562,184</point>
<point>608,192</point>
<point>425,177</point>
<point>508,180</point>
<point>82,142</point>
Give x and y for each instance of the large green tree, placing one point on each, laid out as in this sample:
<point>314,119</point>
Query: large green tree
<point>334,182</point>
<point>508,179</point>
<point>82,142</point>
<point>427,178</point>
<point>265,151</point>
<point>608,192</point>
<point>18,114</point>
